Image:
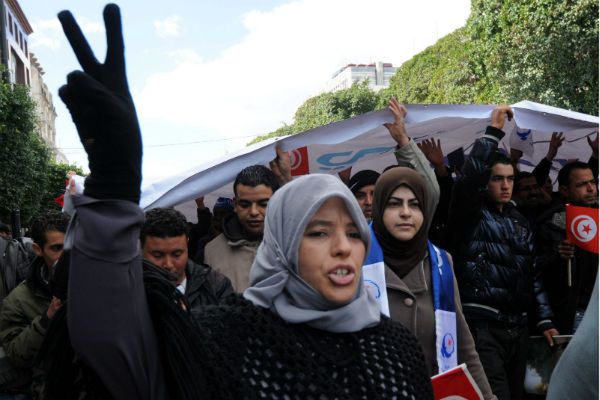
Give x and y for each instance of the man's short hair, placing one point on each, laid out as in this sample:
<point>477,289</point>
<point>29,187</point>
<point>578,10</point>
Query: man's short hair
<point>500,158</point>
<point>164,223</point>
<point>519,176</point>
<point>49,221</point>
<point>564,175</point>
<point>361,179</point>
<point>255,175</point>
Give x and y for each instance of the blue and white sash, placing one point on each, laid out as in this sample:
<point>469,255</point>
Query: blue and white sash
<point>373,274</point>
<point>442,282</point>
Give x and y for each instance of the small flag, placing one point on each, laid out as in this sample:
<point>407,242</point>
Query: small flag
<point>299,161</point>
<point>456,383</point>
<point>582,227</point>
<point>60,200</point>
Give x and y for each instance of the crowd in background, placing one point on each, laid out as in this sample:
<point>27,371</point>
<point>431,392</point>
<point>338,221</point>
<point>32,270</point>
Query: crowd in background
<point>264,296</point>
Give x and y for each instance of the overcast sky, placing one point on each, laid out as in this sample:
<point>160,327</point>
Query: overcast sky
<point>208,76</point>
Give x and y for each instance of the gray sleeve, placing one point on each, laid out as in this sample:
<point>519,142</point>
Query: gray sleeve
<point>108,317</point>
<point>411,156</point>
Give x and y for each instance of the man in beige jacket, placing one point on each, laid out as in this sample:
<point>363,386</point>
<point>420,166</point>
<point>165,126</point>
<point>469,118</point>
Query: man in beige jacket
<point>233,251</point>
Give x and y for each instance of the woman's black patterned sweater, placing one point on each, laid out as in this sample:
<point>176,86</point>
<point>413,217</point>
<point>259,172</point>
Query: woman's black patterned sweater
<point>126,330</point>
<point>252,353</point>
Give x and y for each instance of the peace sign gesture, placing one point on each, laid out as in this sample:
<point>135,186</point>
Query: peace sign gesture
<point>102,109</point>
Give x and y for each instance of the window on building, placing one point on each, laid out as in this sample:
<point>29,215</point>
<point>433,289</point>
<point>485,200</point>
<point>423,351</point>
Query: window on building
<point>26,49</point>
<point>19,69</point>
<point>10,24</point>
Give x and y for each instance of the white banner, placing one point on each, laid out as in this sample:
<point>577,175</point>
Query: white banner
<point>362,142</point>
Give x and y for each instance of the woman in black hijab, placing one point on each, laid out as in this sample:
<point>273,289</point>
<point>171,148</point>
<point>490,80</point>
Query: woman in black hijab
<point>421,289</point>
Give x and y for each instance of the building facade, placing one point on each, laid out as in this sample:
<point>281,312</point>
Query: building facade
<point>15,48</point>
<point>377,74</point>
<point>23,68</point>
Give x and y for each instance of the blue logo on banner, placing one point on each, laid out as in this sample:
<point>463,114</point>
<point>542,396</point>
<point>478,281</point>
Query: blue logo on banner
<point>344,159</point>
<point>448,345</point>
<point>373,288</point>
<point>523,134</point>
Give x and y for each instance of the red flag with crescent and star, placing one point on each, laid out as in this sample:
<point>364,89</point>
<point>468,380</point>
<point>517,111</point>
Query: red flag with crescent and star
<point>582,227</point>
<point>299,161</point>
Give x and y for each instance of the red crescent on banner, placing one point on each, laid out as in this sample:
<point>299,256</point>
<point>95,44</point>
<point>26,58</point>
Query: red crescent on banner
<point>296,157</point>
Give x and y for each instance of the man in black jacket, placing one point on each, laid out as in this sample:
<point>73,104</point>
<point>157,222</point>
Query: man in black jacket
<point>164,238</point>
<point>492,246</point>
<point>577,185</point>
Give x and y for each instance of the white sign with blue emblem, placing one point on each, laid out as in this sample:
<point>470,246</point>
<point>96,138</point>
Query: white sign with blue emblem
<point>374,281</point>
<point>446,340</point>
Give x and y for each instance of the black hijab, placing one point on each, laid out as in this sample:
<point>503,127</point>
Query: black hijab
<point>400,256</point>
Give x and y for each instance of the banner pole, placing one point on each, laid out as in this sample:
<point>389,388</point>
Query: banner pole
<point>569,277</point>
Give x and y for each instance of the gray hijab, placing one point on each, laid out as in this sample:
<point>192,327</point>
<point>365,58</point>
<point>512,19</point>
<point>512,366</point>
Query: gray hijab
<point>274,277</point>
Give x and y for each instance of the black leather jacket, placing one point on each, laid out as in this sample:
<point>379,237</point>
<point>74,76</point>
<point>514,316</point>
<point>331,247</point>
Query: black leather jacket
<point>205,286</point>
<point>493,250</point>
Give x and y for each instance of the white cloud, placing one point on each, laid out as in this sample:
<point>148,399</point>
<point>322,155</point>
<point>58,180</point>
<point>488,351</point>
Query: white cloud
<point>287,56</point>
<point>48,32</point>
<point>168,27</point>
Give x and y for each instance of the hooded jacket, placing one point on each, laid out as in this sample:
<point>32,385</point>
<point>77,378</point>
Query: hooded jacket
<point>232,254</point>
<point>23,322</point>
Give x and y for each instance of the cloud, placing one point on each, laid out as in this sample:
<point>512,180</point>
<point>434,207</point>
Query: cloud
<point>286,56</point>
<point>48,32</point>
<point>168,27</point>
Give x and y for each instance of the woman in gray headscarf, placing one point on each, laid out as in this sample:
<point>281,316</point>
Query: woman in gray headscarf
<point>305,329</point>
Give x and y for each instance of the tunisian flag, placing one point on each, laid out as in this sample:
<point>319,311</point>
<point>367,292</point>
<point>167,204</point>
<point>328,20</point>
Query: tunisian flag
<point>455,384</point>
<point>299,161</point>
<point>582,227</point>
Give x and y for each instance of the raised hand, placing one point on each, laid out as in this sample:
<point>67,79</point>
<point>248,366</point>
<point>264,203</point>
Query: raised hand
<point>102,109</point>
<point>499,114</point>
<point>555,142</point>
<point>433,151</point>
<point>434,154</point>
<point>398,129</point>
<point>515,156</point>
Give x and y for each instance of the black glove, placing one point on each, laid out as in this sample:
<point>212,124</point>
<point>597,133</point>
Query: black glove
<point>103,112</point>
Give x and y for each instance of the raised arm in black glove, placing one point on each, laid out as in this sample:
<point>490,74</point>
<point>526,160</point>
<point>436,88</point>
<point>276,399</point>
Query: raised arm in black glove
<point>101,106</point>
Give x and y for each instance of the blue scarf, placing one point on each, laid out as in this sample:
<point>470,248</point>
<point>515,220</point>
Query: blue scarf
<point>442,282</point>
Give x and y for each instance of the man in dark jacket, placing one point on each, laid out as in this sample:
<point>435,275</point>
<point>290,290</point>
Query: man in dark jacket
<point>492,247</point>
<point>27,310</point>
<point>164,238</point>
<point>577,185</point>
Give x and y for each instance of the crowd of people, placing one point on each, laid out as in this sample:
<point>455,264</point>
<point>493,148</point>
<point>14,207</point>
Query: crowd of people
<point>264,296</point>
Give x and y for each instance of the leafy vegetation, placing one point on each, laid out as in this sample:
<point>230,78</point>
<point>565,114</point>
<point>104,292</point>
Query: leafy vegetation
<point>509,50</point>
